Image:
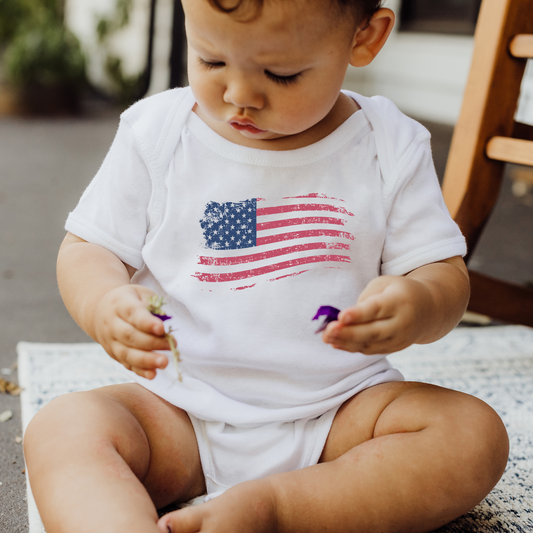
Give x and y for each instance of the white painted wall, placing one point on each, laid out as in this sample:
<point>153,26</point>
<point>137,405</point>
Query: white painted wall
<point>425,75</point>
<point>525,105</point>
<point>162,46</point>
<point>130,44</point>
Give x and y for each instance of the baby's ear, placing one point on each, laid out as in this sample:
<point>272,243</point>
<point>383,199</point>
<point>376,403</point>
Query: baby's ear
<point>369,39</point>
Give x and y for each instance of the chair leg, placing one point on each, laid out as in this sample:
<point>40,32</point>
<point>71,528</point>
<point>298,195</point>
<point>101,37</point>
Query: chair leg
<point>501,300</point>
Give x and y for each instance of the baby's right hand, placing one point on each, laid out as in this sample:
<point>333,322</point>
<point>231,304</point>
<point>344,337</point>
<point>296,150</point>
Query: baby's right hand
<point>129,332</point>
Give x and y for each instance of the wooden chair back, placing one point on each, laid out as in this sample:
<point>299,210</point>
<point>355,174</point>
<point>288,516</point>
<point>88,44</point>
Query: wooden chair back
<point>486,137</point>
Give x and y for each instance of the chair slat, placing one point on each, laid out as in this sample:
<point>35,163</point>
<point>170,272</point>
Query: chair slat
<point>522,46</point>
<point>501,300</point>
<point>486,127</point>
<point>488,109</point>
<point>510,150</point>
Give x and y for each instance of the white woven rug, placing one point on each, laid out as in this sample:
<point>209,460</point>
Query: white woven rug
<point>492,363</point>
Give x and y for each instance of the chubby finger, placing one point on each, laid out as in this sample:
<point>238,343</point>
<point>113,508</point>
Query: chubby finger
<point>133,358</point>
<point>128,334</point>
<point>146,360</point>
<point>374,308</point>
<point>368,338</point>
<point>376,286</point>
<point>147,374</point>
<point>384,344</point>
<point>142,320</point>
<point>131,306</point>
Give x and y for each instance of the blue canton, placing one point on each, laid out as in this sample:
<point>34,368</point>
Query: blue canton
<point>230,225</point>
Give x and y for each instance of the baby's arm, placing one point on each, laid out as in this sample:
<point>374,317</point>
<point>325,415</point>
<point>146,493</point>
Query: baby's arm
<point>96,288</point>
<point>394,312</point>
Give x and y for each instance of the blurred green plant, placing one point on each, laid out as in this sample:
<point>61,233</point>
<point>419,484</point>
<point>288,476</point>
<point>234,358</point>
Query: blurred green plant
<point>125,87</point>
<point>15,13</point>
<point>40,49</point>
<point>45,53</point>
<point>12,14</point>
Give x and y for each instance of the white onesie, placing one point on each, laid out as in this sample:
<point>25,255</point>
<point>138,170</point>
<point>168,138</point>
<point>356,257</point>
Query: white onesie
<point>245,245</point>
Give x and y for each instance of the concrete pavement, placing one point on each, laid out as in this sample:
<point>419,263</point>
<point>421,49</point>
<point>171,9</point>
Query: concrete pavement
<point>44,167</point>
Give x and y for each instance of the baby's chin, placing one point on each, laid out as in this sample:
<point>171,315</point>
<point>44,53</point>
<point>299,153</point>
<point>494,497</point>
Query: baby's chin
<point>264,135</point>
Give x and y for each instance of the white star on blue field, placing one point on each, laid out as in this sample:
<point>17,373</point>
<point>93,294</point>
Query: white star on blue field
<point>230,225</point>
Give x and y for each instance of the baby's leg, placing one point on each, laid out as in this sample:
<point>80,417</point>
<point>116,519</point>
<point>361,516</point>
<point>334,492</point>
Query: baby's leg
<point>102,461</point>
<point>399,457</point>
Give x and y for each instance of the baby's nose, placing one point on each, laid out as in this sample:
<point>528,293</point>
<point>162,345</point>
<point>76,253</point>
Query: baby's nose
<point>242,92</point>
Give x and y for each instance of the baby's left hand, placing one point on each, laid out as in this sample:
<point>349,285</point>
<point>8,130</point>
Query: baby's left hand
<point>390,314</point>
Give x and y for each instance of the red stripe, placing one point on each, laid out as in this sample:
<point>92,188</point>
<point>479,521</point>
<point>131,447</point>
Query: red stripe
<point>289,275</point>
<point>226,261</point>
<point>297,221</point>
<point>314,195</point>
<point>234,276</point>
<point>301,207</point>
<point>304,234</point>
<point>245,287</point>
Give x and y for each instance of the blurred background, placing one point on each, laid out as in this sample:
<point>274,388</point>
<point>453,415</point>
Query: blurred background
<point>125,49</point>
<point>67,70</point>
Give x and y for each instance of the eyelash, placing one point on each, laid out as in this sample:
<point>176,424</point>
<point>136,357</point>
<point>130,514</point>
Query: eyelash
<point>210,65</point>
<point>281,80</point>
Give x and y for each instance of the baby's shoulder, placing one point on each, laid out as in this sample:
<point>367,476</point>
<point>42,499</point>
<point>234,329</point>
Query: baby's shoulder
<point>398,138</point>
<point>157,121</point>
<point>389,122</point>
<point>158,107</point>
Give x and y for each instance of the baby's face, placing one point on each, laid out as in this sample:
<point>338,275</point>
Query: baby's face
<point>272,77</point>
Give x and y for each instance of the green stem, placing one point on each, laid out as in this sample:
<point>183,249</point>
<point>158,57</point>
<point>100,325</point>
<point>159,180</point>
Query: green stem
<point>175,353</point>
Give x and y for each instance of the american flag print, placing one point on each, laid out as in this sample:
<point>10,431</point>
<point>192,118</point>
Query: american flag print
<point>255,239</point>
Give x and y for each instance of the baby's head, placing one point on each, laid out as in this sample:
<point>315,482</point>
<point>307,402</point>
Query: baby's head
<point>358,11</point>
<point>269,69</point>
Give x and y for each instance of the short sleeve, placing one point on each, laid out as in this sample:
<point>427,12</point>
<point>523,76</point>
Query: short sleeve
<point>112,211</point>
<point>420,229</point>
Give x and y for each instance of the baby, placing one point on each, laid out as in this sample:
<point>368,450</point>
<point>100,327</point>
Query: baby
<point>247,201</point>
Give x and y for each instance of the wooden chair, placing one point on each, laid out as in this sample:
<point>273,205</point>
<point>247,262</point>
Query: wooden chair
<point>485,137</point>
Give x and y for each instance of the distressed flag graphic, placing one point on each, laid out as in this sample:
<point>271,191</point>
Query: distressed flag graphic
<point>258,238</point>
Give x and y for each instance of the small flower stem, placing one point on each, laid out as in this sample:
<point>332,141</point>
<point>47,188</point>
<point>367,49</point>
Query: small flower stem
<point>175,353</point>
<point>155,306</point>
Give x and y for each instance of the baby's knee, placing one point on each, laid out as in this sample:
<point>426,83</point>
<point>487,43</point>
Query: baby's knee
<point>68,421</point>
<point>58,418</point>
<point>468,437</point>
<point>490,436</point>
<point>480,441</point>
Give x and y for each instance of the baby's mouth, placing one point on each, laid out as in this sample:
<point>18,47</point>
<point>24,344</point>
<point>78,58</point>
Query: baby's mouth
<point>245,126</point>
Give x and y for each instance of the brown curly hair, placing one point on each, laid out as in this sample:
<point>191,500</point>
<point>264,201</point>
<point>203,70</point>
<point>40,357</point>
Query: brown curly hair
<point>360,10</point>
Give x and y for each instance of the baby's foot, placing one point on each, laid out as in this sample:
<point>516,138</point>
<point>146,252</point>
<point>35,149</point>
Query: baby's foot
<point>249,507</point>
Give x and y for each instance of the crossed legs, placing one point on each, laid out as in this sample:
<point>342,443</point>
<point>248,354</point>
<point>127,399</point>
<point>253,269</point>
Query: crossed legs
<point>399,457</point>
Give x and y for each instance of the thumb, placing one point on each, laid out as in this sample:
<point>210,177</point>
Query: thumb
<point>368,305</point>
<point>376,286</point>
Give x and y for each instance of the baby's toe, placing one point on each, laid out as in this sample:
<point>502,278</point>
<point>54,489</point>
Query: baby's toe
<point>187,520</point>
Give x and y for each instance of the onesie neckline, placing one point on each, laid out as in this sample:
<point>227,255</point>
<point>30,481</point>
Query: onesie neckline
<point>357,125</point>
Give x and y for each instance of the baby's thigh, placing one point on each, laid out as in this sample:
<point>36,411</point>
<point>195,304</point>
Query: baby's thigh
<point>154,438</point>
<point>459,424</point>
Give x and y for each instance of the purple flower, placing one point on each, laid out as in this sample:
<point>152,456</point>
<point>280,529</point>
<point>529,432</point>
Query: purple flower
<point>162,317</point>
<point>155,306</point>
<point>330,313</point>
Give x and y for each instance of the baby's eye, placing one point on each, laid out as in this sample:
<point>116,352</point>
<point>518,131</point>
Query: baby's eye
<point>210,64</point>
<point>282,80</point>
